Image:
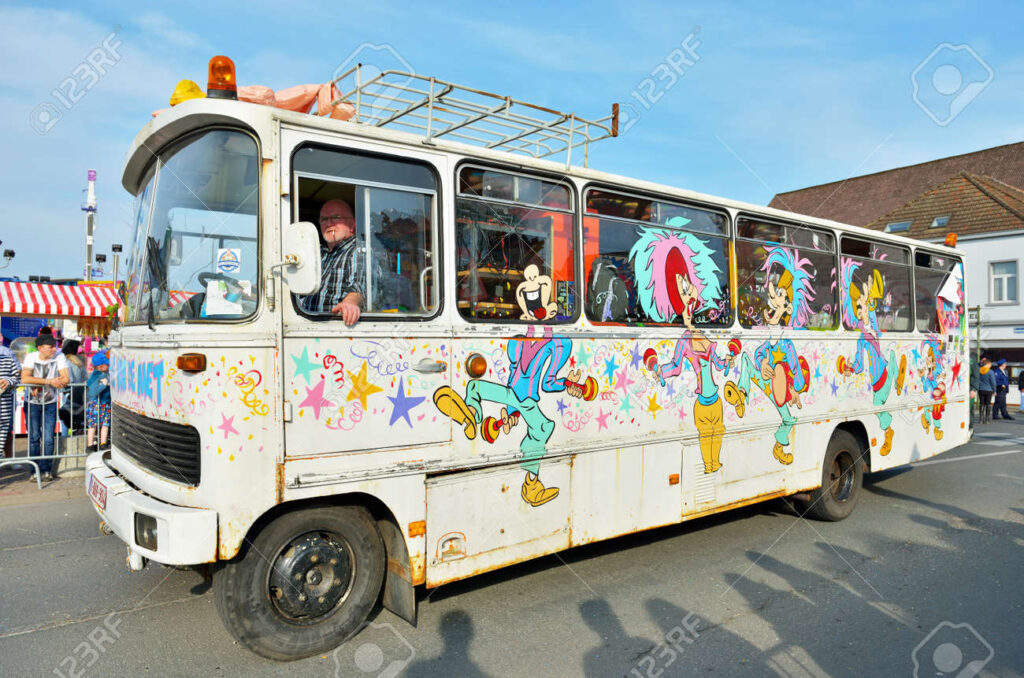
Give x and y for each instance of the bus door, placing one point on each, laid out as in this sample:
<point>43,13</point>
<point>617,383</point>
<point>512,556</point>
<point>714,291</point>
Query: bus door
<point>366,385</point>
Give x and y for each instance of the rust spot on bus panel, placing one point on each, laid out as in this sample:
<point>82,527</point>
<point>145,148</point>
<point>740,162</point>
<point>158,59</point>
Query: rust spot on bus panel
<point>418,563</point>
<point>673,479</point>
<point>737,504</point>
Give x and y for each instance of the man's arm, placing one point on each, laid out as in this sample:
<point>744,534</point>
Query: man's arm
<point>349,308</point>
<point>352,286</point>
<point>27,378</point>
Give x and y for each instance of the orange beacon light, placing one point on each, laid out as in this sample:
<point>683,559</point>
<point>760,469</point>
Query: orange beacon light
<point>221,83</point>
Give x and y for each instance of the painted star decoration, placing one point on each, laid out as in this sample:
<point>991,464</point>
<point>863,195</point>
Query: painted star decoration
<point>402,404</point>
<point>303,365</point>
<point>653,406</point>
<point>361,388</point>
<point>957,366</point>
<point>634,357</point>
<point>561,407</point>
<point>609,369</point>
<point>623,381</point>
<point>227,424</point>
<point>315,399</point>
<point>602,420</point>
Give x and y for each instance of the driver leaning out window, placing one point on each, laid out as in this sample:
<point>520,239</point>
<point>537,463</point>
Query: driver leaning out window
<point>343,274</point>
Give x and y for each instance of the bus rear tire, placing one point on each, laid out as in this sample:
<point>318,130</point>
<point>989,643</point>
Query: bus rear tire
<point>842,475</point>
<point>305,583</point>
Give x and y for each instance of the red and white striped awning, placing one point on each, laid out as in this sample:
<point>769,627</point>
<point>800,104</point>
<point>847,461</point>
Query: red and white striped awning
<point>52,301</point>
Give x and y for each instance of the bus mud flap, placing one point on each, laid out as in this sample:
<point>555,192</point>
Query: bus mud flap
<point>399,594</point>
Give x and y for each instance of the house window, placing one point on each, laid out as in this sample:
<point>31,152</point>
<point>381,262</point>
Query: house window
<point>1002,277</point>
<point>939,222</point>
<point>897,226</point>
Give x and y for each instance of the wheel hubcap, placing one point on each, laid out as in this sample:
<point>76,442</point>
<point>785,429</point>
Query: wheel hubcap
<point>841,476</point>
<point>310,576</point>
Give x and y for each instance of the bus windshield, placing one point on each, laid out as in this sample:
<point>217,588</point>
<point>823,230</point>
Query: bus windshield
<point>195,253</point>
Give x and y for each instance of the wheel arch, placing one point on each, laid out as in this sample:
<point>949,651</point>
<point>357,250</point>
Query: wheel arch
<point>398,593</point>
<point>856,428</point>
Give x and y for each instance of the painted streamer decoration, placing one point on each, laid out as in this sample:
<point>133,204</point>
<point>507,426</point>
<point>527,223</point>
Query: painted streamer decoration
<point>677,278</point>
<point>860,305</point>
<point>247,383</point>
<point>776,369</point>
<point>534,363</point>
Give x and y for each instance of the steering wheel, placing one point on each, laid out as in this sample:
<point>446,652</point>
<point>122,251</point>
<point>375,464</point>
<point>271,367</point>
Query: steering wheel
<point>206,277</point>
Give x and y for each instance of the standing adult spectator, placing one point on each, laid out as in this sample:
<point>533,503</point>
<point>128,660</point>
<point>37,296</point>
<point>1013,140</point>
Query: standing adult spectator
<point>1020,389</point>
<point>974,388</point>
<point>10,377</point>
<point>1002,388</point>
<point>72,408</point>
<point>986,387</point>
<point>47,371</point>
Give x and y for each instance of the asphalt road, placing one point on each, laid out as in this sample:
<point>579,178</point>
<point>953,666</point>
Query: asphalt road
<point>931,548</point>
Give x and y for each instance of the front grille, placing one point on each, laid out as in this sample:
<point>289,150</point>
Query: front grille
<point>166,449</point>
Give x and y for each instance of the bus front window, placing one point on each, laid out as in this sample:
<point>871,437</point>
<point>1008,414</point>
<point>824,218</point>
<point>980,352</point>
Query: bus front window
<point>196,252</point>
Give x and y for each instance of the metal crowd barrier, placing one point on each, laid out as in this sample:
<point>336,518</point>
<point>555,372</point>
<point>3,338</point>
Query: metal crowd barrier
<point>69,440</point>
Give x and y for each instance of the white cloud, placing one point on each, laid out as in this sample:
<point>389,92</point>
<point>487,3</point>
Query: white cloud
<point>163,27</point>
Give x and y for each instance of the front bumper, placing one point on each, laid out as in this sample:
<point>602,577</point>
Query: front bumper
<point>185,536</point>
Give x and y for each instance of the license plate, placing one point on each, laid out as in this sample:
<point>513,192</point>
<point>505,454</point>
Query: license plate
<point>98,492</point>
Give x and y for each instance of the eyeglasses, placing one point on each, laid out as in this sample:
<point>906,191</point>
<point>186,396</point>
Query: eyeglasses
<point>335,217</point>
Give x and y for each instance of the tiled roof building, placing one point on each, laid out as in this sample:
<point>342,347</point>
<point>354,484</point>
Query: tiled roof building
<point>979,196</point>
<point>861,200</point>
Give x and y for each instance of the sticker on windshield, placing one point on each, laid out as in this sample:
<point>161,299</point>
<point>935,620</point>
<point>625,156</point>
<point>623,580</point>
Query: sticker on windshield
<point>229,260</point>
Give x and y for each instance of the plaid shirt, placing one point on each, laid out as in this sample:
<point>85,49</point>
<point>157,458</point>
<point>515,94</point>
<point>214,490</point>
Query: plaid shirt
<point>342,271</point>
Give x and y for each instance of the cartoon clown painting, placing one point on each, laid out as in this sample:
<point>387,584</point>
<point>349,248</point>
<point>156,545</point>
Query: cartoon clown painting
<point>860,303</point>
<point>676,279</point>
<point>776,369</point>
<point>534,363</point>
<point>534,296</point>
<point>933,386</point>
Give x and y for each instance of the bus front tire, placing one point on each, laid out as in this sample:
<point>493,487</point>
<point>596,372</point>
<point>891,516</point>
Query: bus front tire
<point>305,583</point>
<point>841,477</point>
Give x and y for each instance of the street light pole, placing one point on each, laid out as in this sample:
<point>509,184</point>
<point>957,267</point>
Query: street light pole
<point>90,215</point>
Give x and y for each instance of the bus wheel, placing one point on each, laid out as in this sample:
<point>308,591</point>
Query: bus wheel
<point>304,584</point>
<point>841,478</point>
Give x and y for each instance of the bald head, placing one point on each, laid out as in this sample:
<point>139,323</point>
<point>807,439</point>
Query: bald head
<point>337,222</point>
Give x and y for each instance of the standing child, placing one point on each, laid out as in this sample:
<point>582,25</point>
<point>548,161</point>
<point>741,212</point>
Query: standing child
<point>97,411</point>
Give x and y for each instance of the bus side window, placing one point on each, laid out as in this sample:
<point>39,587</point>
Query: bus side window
<point>786,275</point>
<point>875,288</point>
<point>392,203</point>
<point>670,264</point>
<point>515,248</point>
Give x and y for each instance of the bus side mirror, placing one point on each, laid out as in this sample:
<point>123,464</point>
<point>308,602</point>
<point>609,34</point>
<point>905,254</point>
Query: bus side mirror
<point>301,266</point>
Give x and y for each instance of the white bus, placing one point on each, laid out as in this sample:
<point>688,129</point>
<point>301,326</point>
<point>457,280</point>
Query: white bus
<point>547,355</point>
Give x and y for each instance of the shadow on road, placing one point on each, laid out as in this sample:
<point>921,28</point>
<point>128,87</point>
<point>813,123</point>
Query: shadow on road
<point>457,633</point>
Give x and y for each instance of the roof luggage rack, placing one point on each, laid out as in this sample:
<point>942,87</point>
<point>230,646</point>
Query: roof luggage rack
<point>436,108</point>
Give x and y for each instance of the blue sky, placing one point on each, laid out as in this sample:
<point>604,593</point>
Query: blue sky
<point>782,95</point>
